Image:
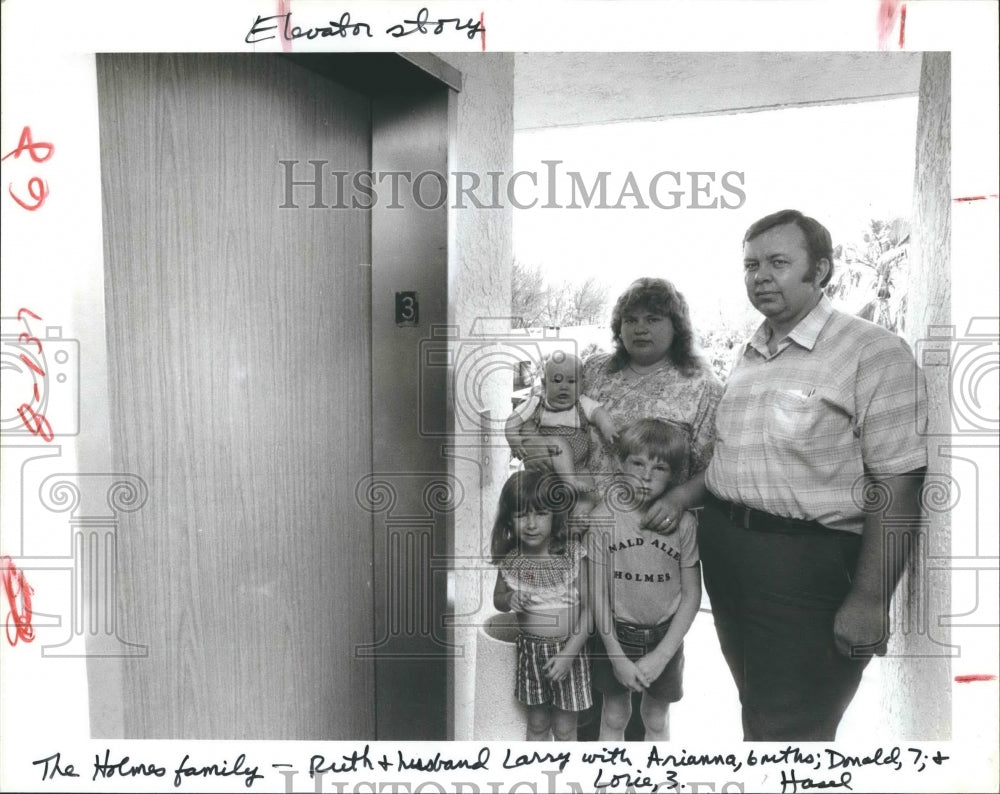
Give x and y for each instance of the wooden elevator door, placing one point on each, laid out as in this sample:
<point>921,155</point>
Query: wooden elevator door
<point>240,385</point>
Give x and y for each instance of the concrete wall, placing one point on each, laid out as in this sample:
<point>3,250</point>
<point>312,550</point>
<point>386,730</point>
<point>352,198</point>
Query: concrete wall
<point>480,253</point>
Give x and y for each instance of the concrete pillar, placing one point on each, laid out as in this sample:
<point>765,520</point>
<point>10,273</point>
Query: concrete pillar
<point>480,254</point>
<point>917,675</point>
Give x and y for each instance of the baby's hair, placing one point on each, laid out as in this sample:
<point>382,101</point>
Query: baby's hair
<point>657,439</point>
<point>558,357</point>
<point>539,491</point>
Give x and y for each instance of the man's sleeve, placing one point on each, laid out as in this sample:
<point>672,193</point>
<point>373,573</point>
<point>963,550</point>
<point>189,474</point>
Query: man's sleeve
<point>891,401</point>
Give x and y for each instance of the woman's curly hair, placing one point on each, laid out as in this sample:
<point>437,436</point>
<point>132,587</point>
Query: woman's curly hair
<point>658,296</point>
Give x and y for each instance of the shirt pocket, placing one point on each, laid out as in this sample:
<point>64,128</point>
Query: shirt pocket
<point>797,415</point>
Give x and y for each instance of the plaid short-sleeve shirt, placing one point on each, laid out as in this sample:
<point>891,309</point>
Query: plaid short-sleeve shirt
<point>797,430</point>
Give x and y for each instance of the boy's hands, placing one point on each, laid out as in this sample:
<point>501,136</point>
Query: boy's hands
<point>629,673</point>
<point>652,665</point>
<point>557,668</point>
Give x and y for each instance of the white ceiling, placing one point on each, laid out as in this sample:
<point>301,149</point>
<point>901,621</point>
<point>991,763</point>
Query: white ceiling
<point>560,89</point>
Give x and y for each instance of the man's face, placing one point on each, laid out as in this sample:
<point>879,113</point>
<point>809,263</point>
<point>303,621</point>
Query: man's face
<point>561,382</point>
<point>776,271</point>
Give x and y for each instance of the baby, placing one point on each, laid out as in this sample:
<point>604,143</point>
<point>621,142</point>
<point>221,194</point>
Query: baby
<point>563,416</point>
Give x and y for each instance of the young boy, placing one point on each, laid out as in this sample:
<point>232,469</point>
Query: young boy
<point>563,417</point>
<point>647,587</point>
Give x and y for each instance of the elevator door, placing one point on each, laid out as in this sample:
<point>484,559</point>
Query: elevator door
<point>240,384</point>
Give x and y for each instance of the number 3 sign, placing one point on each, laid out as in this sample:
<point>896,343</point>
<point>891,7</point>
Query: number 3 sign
<point>407,308</point>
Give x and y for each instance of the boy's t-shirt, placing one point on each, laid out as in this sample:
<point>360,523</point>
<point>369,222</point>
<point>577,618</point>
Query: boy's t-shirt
<point>645,567</point>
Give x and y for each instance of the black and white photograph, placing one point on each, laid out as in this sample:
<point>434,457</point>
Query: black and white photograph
<point>388,388</point>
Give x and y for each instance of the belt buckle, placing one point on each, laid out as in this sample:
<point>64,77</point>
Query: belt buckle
<point>629,634</point>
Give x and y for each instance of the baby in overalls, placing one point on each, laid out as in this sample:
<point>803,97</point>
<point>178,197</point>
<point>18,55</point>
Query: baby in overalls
<point>562,416</point>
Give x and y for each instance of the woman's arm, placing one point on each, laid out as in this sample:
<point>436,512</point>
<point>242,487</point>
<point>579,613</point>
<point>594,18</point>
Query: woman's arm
<point>664,515</point>
<point>601,419</point>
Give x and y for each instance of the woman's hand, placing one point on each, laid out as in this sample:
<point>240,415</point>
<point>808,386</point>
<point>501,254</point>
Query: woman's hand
<point>664,515</point>
<point>605,424</point>
<point>535,452</point>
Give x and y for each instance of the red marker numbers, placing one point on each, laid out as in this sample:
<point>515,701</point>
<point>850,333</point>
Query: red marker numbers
<point>18,593</point>
<point>37,188</point>
<point>36,423</point>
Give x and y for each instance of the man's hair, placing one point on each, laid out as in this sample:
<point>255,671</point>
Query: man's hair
<point>656,439</point>
<point>818,241</point>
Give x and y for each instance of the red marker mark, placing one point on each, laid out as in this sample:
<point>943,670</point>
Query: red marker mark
<point>482,28</point>
<point>977,198</point>
<point>17,589</point>
<point>27,311</point>
<point>37,189</point>
<point>26,144</point>
<point>888,10</point>
<point>33,365</point>
<point>36,423</point>
<point>29,338</point>
<point>285,8</point>
<point>968,679</point>
<point>902,26</point>
<point>41,428</point>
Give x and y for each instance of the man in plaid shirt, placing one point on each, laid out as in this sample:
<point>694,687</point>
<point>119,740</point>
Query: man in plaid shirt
<point>814,481</point>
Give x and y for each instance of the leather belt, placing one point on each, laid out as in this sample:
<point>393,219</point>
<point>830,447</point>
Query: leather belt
<point>631,634</point>
<point>759,521</point>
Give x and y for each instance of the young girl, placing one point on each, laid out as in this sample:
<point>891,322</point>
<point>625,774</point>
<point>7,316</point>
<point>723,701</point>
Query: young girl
<point>543,580</point>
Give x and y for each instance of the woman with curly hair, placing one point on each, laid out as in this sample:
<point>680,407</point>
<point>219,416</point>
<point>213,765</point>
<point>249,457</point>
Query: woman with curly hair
<point>655,371</point>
